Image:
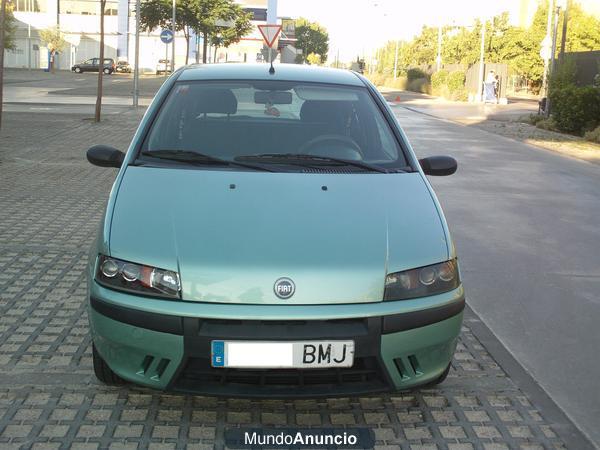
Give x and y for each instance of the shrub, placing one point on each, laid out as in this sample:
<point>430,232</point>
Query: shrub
<point>461,94</point>
<point>564,75</point>
<point>398,83</point>
<point>377,79</point>
<point>419,85</point>
<point>456,81</point>
<point>532,119</point>
<point>575,109</point>
<point>593,135</point>
<point>416,74</point>
<point>546,124</point>
<point>439,79</point>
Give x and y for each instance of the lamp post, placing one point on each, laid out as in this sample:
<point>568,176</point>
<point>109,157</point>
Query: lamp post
<point>396,61</point>
<point>546,40</point>
<point>481,61</point>
<point>173,43</point>
<point>439,51</point>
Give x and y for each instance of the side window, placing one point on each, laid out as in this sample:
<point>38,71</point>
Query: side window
<point>96,61</point>
<point>89,61</point>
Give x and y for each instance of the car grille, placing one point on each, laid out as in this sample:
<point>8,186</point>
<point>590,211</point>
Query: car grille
<point>199,376</point>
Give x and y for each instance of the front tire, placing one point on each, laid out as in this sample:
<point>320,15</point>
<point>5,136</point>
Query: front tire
<point>103,372</point>
<point>441,378</point>
<point>106,71</point>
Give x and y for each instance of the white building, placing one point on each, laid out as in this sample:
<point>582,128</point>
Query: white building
<point>79,20</point>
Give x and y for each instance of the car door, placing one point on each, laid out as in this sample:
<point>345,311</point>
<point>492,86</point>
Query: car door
<point>95,65</point>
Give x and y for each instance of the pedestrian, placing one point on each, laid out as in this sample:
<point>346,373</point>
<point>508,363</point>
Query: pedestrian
<point>52,54</point>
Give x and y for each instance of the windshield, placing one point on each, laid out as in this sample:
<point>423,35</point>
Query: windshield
<point>237,120</point>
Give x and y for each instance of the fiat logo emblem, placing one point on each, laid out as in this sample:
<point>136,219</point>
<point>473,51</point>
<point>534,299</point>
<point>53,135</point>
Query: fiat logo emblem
<point>284,288</point>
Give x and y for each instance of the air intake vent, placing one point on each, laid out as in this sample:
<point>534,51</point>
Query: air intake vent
<point>150,367</point>
<point>408,367</point>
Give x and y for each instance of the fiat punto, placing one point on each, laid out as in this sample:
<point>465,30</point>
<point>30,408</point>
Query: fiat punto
<point>272,234</point>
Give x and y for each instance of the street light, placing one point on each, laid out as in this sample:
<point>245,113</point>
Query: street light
<point>136,69</point>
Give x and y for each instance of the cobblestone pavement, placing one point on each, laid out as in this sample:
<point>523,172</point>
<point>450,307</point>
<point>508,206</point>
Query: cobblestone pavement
<point>51,200</point>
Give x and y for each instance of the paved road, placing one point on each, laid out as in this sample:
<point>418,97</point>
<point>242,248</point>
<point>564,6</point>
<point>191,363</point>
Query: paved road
<point>526,224</point>
<point>50,204</point>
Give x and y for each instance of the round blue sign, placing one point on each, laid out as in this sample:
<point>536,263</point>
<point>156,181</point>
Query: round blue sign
<point>166,36</point>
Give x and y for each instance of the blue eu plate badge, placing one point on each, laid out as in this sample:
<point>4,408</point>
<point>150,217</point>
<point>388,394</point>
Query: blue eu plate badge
<point>218,353</point>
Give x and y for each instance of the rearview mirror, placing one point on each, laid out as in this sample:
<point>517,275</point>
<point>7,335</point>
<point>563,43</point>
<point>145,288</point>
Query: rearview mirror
<point>438,165</point>
<point>273,97</point>
<point>105,156</point>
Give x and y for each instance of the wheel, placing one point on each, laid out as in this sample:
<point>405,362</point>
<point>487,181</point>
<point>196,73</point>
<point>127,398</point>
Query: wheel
<point>77,69</point>
<point>106,71</point>
<point>103,372</point>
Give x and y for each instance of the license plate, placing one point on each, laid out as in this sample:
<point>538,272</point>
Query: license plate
<point>280,355</point>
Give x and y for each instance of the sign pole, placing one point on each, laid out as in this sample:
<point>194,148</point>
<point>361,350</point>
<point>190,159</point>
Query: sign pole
<point>136,70</point>
<point>173,48</point>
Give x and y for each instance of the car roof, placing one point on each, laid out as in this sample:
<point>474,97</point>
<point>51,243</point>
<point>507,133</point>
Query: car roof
<point>283,72</point>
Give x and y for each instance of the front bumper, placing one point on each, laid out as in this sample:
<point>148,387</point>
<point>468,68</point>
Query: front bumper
<point>394,351</point>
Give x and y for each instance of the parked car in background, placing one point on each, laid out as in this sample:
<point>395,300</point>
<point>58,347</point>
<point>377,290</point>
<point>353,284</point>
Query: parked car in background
<point>123,67</point>
<point>93,65</point>
<point>163,66</point>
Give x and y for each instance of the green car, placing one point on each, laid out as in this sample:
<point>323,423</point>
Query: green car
<point>272,234</point>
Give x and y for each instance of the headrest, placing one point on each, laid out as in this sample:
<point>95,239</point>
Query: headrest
<point>220,101</point>
<point>324,110</point>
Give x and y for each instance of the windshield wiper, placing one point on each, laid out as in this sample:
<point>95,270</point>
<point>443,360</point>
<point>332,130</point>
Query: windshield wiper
<point>304,159</point>
<point>196,158</point>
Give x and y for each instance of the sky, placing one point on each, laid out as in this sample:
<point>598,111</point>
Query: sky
<point>357,27</point>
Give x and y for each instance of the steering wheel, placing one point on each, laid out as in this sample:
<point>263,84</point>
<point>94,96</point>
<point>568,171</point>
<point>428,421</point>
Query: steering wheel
<point>334,146</point>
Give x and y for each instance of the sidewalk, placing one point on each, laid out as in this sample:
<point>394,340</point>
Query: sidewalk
<point>51,200</point>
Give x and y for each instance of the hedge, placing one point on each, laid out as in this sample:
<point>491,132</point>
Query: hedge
<point>575,109</point>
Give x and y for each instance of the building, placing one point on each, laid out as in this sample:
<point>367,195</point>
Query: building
<point>79,20</point>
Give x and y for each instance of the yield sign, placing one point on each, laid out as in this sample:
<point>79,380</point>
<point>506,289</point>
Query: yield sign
<point>269,33</point>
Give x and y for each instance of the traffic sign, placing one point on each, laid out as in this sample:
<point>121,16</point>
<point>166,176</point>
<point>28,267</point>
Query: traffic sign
<point>269,33</point>
<point>166,36</point>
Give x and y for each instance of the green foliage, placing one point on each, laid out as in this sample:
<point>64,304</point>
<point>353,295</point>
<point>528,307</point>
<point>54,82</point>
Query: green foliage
<point>311,38</point>
<point>533,119</point>
<point>314,59</point>
<point>564,74</point>
<point>439,79</point>
<point>415,73</point>
<point>9,27</point>
<point>594,135</point>
<point>575,109</point>
<point>419,85</point>
<point>450,85</point>
<point>203,16</point>
<point>504,43</point>
<point>547,124</point>
<point>53,38</point>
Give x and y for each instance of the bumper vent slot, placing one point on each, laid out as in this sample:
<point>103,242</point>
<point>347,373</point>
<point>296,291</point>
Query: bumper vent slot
<point>150,367</point>
<point>408,367</point>
<point>146,363</point>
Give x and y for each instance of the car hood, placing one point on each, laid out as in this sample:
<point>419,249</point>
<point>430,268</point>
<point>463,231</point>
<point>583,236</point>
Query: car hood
<point>232,234</point>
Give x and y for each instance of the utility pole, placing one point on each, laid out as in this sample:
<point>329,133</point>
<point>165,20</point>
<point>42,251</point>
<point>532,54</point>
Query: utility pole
<point>552,57</point>
<point>396,61</point>
<point>439,51</point>
<point>2,18</point>
<point>481,61</point>
<point>547,39</point>
<point>173,44</point>
<point>563,39</point>
<point>136,70</point>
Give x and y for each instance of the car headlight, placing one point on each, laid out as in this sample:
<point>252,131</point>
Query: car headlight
<point>137,278</point>
<point>421,282</point>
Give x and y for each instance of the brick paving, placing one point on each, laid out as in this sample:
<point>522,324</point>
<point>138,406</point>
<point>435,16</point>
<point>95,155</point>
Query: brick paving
<point>51,201</point>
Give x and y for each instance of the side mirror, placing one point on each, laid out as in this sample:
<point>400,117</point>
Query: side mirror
<point>105,156</point>
<point>438,165</point>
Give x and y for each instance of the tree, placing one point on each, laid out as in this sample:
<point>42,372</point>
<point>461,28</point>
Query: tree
<point>314,59</point>
<point>9,27</point>
<point>55,42</point>
<point>208,14</point>
<point>238,27</point>
<point>159,13</point>
<point>311,38</point>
